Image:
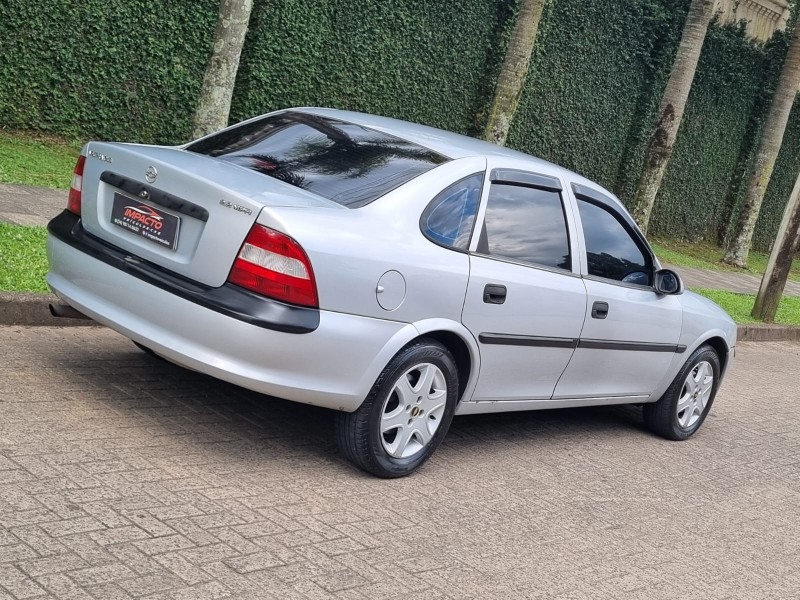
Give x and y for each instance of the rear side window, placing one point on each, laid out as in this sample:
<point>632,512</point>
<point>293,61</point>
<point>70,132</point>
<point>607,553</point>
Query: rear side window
<point>340,161</point>
<point>449,218</point>
<point>611,251</point>
<point>526,224</point>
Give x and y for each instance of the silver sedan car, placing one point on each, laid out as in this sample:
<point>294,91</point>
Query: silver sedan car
<point>395,273</point>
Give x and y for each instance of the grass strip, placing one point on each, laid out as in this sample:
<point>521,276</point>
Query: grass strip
<point>23,259</point>
<point>37,159</point>
<point>704,255</point>
<point>738,306</point>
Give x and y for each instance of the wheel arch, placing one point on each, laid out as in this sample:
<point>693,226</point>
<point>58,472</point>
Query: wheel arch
<point>461,344</point>
<point>453,335</point>
<point>716,338</point>
<point>721,346</point>
<point>460,351</point>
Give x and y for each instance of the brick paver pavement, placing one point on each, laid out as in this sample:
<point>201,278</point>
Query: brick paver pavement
<point>125,477</point>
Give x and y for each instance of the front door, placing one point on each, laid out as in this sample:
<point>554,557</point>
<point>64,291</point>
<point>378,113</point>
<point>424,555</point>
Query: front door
<point>524,303</point>
<point>630,334</point>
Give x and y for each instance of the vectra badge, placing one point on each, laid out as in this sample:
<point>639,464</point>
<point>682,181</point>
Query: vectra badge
<point>238,207</point>
<point>101,156</point>
<point>150,174</point>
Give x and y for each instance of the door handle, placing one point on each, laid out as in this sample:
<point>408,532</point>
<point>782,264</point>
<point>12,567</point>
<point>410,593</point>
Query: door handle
<point>599,310</point>
<point>494,293</point>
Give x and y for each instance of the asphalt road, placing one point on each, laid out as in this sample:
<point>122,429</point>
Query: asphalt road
<point>125,477</point>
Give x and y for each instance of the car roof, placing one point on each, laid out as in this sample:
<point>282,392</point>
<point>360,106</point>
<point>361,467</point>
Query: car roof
<point>455,145</point>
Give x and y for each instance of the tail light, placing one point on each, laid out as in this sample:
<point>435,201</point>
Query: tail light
<point>74,201</point>
<point>273,264</point>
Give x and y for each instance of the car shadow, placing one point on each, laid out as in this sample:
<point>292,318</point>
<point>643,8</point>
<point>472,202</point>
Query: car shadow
<point>556,425</point>
<point>171,400</point>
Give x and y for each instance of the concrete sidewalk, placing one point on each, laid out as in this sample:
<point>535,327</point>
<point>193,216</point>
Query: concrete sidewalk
<point>742,283</point>
<point>27,205</point>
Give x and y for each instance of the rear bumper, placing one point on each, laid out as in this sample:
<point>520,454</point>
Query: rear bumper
<point>333,366</point>
<point>228,299</point>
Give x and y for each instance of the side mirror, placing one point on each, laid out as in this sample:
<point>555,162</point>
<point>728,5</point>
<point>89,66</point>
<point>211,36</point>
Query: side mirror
<point>668,282</point>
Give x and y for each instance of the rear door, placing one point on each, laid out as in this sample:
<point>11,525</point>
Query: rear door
<point>525,301</point>
<point>631,333</point>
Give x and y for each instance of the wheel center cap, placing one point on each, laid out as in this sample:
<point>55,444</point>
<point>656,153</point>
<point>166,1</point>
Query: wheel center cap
<point>415,411</point>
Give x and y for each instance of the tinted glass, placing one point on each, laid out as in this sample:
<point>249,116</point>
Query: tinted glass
<point>449,218</point>
<point>346,163</point>
<point>610,249</point>
<point>527,224</point>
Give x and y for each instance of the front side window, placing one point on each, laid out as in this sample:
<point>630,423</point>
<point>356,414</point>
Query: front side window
<point>449,218</point>
<point>611,251</point>
<point>526,224</point>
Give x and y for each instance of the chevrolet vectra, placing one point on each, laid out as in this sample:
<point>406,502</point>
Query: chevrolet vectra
<point>395,273</point>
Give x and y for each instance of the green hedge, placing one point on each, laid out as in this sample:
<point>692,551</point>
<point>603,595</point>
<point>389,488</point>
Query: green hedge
<point>421,61</point>
<point>132,69</point>
<point>713,141</point>
<point>111,69</point>
<point>582,109</point>
<point>780,186</point>
<point>592,72</point>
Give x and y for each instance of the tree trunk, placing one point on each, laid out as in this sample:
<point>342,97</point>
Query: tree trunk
<point>780,260</point>
<point>513,72</point>
<point>215,97</point>
<point>670,111</point>
<point>739,243</point>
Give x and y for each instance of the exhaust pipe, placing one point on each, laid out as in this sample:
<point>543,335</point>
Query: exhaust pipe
<point>65,311</point>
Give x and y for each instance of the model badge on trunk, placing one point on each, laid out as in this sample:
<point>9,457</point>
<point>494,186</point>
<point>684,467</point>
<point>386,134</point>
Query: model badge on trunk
<point>150,174</point>
<point>229,204</point>
<point>104,157</point>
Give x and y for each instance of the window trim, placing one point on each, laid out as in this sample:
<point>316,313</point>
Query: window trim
<point>618,283</point>
<point>525,178</point>
<point>634,233</point>
<point>546,188</point>
<point>474,222</point>
<point>594,197</point>
<point>529,265</point>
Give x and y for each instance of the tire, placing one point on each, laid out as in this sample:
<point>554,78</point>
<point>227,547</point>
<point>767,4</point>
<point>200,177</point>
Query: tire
<point>679,413</point>
<point>406,414</point>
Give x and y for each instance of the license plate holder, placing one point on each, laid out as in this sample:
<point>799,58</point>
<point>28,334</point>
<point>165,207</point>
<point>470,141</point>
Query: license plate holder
<point>145,220</point>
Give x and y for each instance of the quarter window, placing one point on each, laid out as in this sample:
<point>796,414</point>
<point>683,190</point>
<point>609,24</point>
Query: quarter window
<point>526,224</point>
<point>611,252</point>
<point>450,216</point>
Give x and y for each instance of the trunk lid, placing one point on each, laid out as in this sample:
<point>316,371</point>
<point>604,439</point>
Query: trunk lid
<point>139,198</point>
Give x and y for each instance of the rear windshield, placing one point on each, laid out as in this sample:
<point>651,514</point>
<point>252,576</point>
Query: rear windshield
<point>343,162</point>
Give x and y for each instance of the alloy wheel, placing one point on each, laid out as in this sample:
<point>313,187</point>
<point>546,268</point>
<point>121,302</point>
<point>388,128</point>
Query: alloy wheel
<point>413,410</point>
<point>695,394</point>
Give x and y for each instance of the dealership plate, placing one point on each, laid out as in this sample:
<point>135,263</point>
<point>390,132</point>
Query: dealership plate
<point>151,223</point>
